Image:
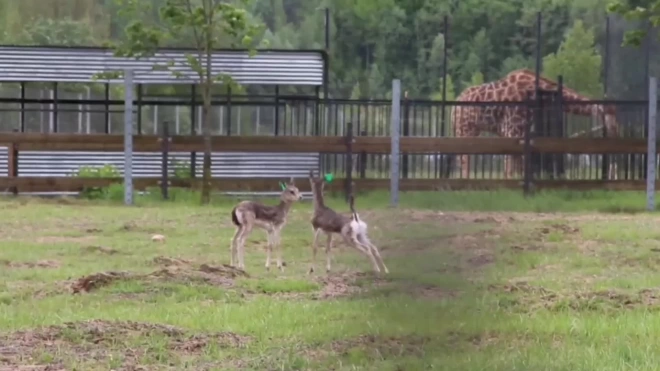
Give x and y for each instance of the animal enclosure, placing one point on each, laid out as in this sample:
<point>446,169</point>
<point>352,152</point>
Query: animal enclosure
<point>346,147</point>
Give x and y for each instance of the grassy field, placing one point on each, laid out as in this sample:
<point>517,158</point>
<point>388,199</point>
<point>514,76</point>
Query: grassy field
<point>479,281</point>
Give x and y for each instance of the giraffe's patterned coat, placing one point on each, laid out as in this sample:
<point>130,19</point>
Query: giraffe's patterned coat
<point>510,121</point>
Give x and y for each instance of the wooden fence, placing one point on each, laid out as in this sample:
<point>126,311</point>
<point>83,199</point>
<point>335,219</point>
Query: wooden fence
<point>348,145</point>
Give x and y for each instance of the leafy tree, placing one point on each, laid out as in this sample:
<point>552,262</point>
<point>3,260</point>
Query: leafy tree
<point>515,62</point>
<point>401,37</point>
<point>375,82</point>
<point>450,92</point>
<point>467,69</point>
<point>206,25</point>
<point>578,61</point>
<point>640,10</point>
<point>477,78</point>
<point>64,31</point>
<point>356,93</point>
<point>434,64</point>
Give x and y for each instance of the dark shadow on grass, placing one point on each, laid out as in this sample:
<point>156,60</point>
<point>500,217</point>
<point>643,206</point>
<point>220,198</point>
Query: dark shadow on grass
<point>614,209</point>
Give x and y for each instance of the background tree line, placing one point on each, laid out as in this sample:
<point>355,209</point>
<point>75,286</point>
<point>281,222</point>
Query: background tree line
<point>373,41</point>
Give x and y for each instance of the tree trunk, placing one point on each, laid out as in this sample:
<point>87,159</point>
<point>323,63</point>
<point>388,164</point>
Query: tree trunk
<point>206,130</point>
<point>207,82</point>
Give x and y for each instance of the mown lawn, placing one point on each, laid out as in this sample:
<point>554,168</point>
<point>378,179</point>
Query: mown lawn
<point>574,289</point>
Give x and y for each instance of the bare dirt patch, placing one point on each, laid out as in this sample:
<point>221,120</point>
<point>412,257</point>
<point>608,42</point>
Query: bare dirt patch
<point>535,297</point>
<point>534,246</point>
<point>97,280</point>
<point>382,346</point>
<point>481,258</point>
<point>37,264</point>
<point>372,346</point>
<point>133,226</point>
<point>432,292</point>
<point>98,340</point>
<point>175,270</point>
<point>402,217</point>
<point>344,284</point>
<point>557,228</point>
<point>168,262</point>
<point>99,249</point>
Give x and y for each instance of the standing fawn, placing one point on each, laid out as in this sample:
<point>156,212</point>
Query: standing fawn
<point>352,229</point>
<point>249,214</point>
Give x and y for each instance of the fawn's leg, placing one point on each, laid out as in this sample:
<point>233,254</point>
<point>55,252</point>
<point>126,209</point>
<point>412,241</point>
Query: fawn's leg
<point>278,248</point>
<point>374,250</point>
<point>234,246</point>
<point>328,251</point>
<point>270,235</point>
<point>352,241</point>
<point>317,232</point>
<point>241,247</point>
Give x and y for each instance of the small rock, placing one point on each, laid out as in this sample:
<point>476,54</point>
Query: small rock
<point>158,238</point>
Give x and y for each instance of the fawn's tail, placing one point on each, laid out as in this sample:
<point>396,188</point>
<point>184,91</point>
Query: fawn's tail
<point>351,201</point>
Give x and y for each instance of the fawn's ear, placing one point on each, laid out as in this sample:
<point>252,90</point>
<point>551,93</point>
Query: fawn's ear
<point>282,185</point>
<point>291,181</point>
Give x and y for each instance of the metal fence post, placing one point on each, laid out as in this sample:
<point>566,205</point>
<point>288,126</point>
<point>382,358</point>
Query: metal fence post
<point>363,159</point>
<point>228,110</point>
<point>348,185</point>
<point>128,137</point>
<point>395,134</point>
<point>406,132</point>
<point>561,165</point>
<point>12,165</point>
<point>651,150</point>
<point>527,148</point>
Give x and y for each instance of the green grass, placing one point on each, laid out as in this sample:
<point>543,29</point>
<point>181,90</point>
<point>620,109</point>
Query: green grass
<point>468,289</point>
<point>498,200</point>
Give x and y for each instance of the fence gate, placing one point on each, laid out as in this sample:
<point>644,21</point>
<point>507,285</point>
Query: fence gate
<point>548,122</point>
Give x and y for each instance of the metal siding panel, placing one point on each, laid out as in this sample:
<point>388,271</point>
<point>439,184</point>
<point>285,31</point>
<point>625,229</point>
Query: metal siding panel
<point>239,165</point>
<point>80,64</point>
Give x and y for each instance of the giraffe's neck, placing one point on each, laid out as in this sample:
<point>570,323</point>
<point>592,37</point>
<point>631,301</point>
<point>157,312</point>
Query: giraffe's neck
<point>601,114</point>
<point>571,95</point>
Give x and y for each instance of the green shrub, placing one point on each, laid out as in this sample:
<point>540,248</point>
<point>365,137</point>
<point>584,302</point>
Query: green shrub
<point>180,169</point>
<point>105,171</point>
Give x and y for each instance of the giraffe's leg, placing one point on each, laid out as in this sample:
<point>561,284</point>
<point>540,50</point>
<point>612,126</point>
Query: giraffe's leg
<point>513,126</point>
<point>465,121</point>
<point>613,172</point>
<point>507,166</point>
<point>516,165</point>
<point>463,161</point>
<point>512,165</point>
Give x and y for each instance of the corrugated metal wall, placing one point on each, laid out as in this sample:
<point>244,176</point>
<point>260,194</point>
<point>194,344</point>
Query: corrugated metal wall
<point>279,166</point>
<point>69,64</point>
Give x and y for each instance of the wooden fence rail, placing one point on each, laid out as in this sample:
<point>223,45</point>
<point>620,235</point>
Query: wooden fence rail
<point>330,144</point>
<point>17,142</point>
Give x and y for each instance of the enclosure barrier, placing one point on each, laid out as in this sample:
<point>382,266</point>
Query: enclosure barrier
<point>346,145</point>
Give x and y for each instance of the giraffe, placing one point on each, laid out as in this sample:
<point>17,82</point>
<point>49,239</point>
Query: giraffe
<point>509,120</point>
